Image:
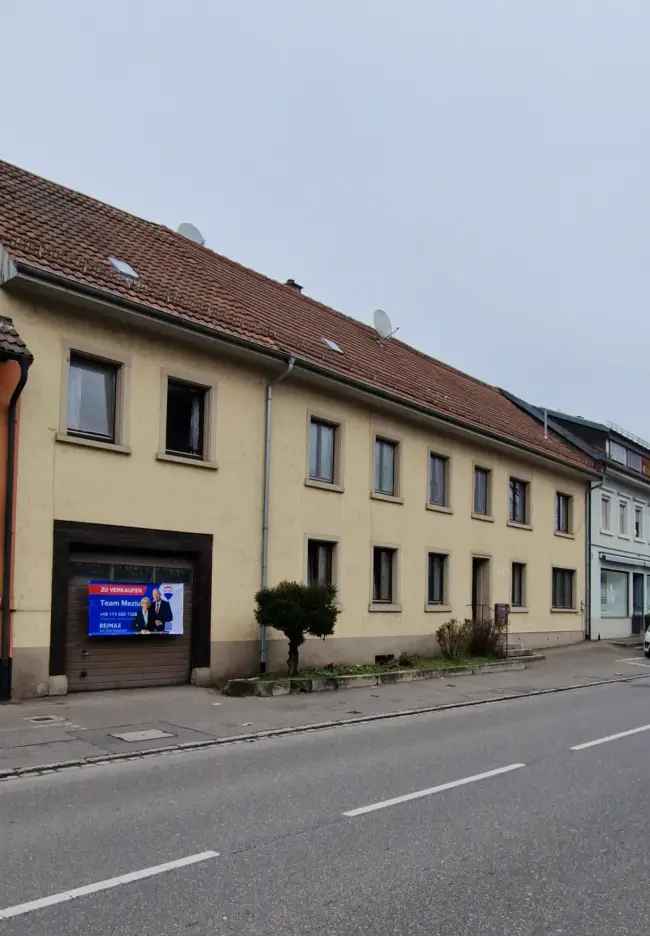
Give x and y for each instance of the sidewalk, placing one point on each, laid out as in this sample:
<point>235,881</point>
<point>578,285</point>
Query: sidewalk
<point>85,725</point>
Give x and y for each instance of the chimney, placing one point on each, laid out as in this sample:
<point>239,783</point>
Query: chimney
<point>292,283</point>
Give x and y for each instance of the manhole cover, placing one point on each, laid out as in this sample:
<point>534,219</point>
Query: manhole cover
<point>44,719</point>
<point>149,734</point>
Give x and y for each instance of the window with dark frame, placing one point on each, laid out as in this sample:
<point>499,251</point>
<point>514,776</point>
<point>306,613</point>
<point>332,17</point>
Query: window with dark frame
<point>320,562</point>
<point>185,428</point>
<point>519,508</point>
<point>383,570</point>
<point>563,596</point>
<point>92,394</point>
<point>438,480</point>
<point>518,594</point>
<point>563,513</point>
<point>322,451</point>
<point>482,491</point>
<point>437,575</point>
<point>385,467</point>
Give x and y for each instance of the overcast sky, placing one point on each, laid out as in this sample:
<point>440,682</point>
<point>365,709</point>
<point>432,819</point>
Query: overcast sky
<point>477,168</point>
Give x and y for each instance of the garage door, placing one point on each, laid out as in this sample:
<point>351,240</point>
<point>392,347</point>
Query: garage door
<point>125,662</point>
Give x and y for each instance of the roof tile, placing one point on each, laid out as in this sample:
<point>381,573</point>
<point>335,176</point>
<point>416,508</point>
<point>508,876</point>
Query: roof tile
<point>62,232</point>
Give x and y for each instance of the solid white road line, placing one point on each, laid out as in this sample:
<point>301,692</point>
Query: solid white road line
<point>611,737</point>
<point>431,790</point>
<point>19,909</point>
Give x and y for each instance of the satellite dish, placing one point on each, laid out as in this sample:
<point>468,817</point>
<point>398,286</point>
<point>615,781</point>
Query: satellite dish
<point>383,324</point>
<point>191,233</point>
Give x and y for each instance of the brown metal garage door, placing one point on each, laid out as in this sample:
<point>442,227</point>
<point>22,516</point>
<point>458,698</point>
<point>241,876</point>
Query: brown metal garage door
<point>124,662</point>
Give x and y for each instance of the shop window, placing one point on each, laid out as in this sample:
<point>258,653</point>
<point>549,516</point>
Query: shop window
<point>614,593</point>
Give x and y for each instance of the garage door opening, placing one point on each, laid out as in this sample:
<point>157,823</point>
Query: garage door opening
<point>141,659</point>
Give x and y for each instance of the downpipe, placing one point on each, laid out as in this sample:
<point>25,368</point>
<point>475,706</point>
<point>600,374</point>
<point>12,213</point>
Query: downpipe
<point>5,642</point>
<point>266,494</point>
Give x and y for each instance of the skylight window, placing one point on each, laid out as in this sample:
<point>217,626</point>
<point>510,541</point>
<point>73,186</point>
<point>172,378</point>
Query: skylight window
<point>123,267</point>
<point>332,345</point>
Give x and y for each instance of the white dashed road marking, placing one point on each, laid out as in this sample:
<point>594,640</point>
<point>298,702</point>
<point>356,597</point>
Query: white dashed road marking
<point>611,737</point>
<point>41,902</point>
<point>431,790</point>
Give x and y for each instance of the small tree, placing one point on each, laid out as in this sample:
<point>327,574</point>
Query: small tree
<point>297,610</point>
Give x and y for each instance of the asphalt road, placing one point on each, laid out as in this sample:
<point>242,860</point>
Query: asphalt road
<point>538,839</point>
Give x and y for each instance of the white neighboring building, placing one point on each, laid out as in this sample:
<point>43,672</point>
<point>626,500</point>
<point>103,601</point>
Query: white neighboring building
<point>619,536</point>
<point>618,533</point>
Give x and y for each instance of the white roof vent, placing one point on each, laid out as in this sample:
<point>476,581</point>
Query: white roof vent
<point>332,345</point>
<point>191,233</point>
<point>124,268</point>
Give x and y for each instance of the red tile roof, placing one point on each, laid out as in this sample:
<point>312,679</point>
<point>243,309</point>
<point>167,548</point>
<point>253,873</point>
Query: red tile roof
<point>57,231</point>
<point>11,344</point>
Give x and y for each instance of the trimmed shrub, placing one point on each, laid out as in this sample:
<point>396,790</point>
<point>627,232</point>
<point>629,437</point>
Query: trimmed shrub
<point>297,610</point>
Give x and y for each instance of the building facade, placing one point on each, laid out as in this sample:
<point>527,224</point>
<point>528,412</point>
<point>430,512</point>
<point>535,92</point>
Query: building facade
<point>619,528</point>
<point>618,525</point>
<point>189,424</point>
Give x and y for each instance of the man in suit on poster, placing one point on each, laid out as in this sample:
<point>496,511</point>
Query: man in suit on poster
<point>161,611</point>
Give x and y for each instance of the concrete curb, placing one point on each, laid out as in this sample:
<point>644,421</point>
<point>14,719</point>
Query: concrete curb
<point>269,688</point>
<point>97,759</point>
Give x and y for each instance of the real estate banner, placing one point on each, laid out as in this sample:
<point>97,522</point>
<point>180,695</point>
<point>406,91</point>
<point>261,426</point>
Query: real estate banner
<point>126,609</point>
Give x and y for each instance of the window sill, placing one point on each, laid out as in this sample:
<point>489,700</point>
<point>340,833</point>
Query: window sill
<point>389,498</point>
<point>180,460</point>
<point>624,536</point>
<point>564,611</point>
<point>606,532</point>
<point>637,539</point>
<point>93,443</point>
<point>519,526</point>
<point>439,508</point>
<point>521,610</point>
<point>387,608</point>
<point>562,535</point>
<point>437,608</point>
<point>324,485</point>
<point>486,518</point>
